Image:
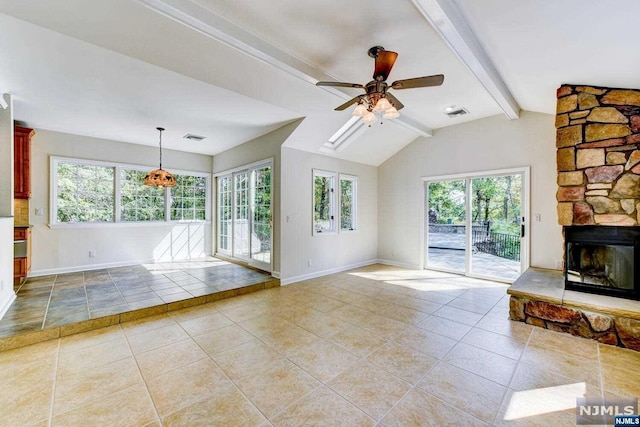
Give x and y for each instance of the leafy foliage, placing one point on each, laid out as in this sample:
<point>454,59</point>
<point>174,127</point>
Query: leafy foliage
<point>85,193</point>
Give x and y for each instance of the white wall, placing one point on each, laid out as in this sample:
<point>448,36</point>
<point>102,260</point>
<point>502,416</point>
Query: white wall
<point>264,147</point>
<point>482,145</point>
<point>67,249</point>
<point>328,252</point>
<point>6,206</point>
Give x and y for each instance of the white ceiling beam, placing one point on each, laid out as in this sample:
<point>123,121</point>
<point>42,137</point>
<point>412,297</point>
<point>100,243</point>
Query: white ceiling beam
<point>3,102</point>
<point>215,26</point>
<point>448,21</point>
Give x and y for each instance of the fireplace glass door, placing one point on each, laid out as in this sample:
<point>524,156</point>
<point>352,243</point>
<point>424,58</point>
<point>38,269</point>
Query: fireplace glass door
<point>609,266</point>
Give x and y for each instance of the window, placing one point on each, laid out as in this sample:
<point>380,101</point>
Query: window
<point>139,202</point>
<point>330,208</point>
<point>348,187</point>
<point>95,192</point>
<point>324,200</point>
<point>189,198</point>
<point>85,193</point>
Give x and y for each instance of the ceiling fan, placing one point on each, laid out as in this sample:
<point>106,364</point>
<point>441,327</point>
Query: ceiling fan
<point>377,98</point>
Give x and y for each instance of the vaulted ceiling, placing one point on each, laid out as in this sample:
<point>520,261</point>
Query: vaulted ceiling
<point>232,70</point>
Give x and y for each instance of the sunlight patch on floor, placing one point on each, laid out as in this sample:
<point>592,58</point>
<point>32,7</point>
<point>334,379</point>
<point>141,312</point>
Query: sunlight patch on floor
<point>540,401</point>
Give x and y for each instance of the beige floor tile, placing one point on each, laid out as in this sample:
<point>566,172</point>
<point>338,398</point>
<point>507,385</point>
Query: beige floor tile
<point>323,325</point>
<point>565,364</point>
<point>442,326</point>
<point>382,326</point>
<point>324,304</point>
<point>72,362</point>
<point>495,343</point>
<point>86,386</point>
<point>206,323</point>
<point>284,382</point>
<point>530,377</point>
<point>324,360</point>
<point>11,359</point>
<point>147,324</point>
<point>558,341</point>
<point>223,339</point>
<point>619,357</point>
<point>265,324</point>
<point>230,408</point>
<point>92,338</point>
<point>476,305</point>
<point>129,407</point>
<point>458,315</point>
<point>503,326</point>
<point>247,359</point>
<point>419,304</point>
<point>166,358</point>
<point>186,385</point>
<point>290,341</point>
<point>370,388</point>
<point>464,390</point>
<point>356,340</point>
<point>427,342</point>
<point>27,377</point>
<point>403,362</point>
<point>28,408</point>
<point>489,365</point>
<point>160,337</point>
<point>192,312</point>
<point>323,407</point>
<point>536,409</point>
<point>621,381</point>
<point>419,408</point>
<point>248,311</point>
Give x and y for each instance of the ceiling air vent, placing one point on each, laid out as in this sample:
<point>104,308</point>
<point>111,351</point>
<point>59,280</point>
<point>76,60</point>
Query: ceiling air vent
<point>192,137</point>
<point>457,112</point>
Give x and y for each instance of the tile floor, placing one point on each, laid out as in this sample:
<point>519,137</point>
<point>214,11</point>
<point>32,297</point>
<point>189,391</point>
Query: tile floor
<point>56,300</point>
<point>374,346</point>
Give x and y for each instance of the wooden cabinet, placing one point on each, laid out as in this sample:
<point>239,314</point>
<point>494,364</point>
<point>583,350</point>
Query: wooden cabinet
<point>22,162</point>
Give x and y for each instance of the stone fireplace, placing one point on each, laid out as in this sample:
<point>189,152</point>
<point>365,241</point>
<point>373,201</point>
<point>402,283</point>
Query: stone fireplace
<point>598,196</point>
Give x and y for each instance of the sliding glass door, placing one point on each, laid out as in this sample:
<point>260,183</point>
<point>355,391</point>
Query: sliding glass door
<point>475,224</point>
<point>244,224</point>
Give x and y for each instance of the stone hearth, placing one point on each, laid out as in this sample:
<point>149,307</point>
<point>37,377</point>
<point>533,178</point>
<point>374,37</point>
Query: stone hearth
<point>539,298</point>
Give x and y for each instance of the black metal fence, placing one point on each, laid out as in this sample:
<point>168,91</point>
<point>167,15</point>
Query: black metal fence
<point>498,244</point>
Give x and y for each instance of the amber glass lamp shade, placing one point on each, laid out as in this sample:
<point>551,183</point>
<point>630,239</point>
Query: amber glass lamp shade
<point>159,178</point>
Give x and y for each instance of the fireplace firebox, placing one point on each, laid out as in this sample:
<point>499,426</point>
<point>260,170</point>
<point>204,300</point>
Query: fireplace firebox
<point>603,260</point>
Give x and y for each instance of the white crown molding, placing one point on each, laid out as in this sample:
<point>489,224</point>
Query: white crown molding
<point>448,21</point>
<point>215,26</point>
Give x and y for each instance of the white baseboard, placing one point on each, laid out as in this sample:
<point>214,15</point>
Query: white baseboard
<point>313,275</point>
<point>398,264</point>
<point>275,274</point>
<point>5,308</point>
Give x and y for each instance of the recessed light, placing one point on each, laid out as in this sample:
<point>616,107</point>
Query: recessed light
<point>449,108</point>
<point>192,137</point>
<point>457,112</point>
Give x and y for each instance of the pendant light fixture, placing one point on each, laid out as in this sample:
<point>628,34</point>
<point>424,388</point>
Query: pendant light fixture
<point>160,177</point>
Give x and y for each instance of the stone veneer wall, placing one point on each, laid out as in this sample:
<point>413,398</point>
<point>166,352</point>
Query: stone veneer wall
<point>598,155</point>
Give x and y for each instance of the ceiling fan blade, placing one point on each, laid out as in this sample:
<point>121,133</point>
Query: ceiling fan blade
<point>384,63</point>
<point>348,103</point>
<point>340,84</point>
<point>399,105</point>
<point>427,81</point>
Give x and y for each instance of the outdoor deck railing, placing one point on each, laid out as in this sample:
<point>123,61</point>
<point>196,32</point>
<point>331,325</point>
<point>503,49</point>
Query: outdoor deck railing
<point>498,244</point>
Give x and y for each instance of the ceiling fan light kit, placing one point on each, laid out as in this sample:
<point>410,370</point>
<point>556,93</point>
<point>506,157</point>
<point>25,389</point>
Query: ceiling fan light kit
<point>377,99</point>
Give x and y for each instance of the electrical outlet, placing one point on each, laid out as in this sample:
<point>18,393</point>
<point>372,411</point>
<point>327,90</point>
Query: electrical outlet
<point>309,263</point>
<point>559,264</point>
<point>92,254</point>
<point>537,217</point>
<point>39,212</point>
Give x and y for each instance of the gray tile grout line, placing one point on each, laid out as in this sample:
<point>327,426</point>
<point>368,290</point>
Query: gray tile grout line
<point>46,311</point>
<point>53,386</point>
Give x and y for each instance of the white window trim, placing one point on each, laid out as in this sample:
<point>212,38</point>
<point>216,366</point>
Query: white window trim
<point>354,202</point>
<point>332,203</point>
<point>53,195</point>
